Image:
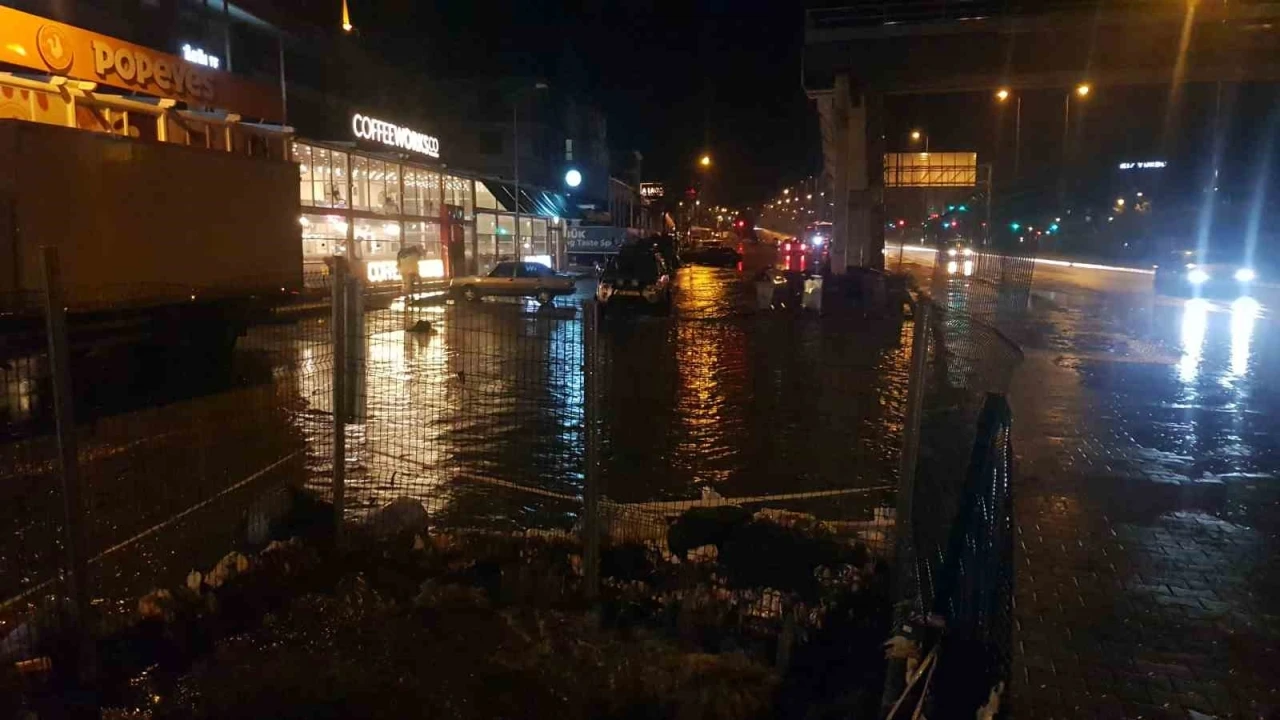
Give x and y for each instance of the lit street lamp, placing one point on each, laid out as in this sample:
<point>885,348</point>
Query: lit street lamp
<point>917,134</point>
<point>1081,91</point>
<point>1002,95</point>
<point>705,161</point>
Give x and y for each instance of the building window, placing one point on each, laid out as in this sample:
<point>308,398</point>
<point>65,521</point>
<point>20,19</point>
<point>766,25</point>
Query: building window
<point>360,183</point>
<point>506,237</point>
<point>302,155</point>
<point>457,191</point>
<point>539,245</point>
<point>427,236</point>
<point>323,235</point>
<point>337,185</point>
<point>421,193</point>
<point>486,241</point>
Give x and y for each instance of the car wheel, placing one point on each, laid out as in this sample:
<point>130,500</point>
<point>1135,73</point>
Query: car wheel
<point>470,293</point>
<point>545,296</point>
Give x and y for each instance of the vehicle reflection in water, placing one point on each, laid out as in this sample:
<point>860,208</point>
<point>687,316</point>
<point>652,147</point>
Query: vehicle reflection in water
<point>717,395</point>
<point>1195,319</point>
<point>1244,316</point>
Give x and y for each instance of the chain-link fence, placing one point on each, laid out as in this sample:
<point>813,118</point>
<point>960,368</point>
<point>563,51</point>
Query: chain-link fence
<point>954,577</point>
<point>733,477</point>
<point>141,444</point>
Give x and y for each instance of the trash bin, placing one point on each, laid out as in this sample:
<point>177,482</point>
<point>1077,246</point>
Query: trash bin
<point>812,299</point>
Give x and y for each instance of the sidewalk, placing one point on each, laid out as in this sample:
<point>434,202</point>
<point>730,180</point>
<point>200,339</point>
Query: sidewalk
<point>1146,586</point>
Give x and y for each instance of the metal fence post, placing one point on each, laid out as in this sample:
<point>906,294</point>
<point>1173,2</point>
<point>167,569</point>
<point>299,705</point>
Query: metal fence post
<point>73,536</point>
<point>339,324</point>
<point>591,491</point>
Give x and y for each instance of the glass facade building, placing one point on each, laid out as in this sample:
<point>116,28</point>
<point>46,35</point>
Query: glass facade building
<point>368,205</point>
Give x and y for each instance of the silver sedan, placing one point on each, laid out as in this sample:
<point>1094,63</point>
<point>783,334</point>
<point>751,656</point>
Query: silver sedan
<point>512,279</point>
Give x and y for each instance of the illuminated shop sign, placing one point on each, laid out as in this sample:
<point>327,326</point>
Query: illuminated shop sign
<point>200,57</point>
<point>392,135</point>
<point>1147,165</point>
<point>652,191</point>
<point>46,46</point>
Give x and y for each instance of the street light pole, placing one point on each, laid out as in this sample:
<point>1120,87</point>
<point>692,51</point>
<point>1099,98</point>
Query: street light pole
<point>1017,137</point>
<point>515,131</point>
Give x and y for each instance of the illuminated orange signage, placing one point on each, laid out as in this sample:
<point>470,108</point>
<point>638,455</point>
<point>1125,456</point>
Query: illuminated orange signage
<point>33,42</point>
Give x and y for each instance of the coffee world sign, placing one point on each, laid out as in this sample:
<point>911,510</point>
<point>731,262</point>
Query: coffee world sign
<point>396,136</point>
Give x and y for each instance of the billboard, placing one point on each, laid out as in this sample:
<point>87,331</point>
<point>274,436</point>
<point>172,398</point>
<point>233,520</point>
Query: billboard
<point>595,238</point>
<point>936,169</point>
<point>652,191</point>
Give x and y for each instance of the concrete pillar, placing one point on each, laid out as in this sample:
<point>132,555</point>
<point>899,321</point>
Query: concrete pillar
<point>840,112</point>
<point>853,150</point>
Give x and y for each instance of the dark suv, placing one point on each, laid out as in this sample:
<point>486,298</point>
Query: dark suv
<point>637,274</point>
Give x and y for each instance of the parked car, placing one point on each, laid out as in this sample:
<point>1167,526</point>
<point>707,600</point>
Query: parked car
<point>509,278</point>
<point>714,255</point>
<point>637,274</point>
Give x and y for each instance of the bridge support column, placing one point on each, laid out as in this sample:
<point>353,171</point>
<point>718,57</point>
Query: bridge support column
<point>853,153</point>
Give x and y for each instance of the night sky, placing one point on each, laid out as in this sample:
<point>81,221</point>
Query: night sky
<point>675,78</point>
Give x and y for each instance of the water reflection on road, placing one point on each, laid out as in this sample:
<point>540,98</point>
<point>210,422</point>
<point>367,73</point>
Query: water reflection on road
<point>718,395</point>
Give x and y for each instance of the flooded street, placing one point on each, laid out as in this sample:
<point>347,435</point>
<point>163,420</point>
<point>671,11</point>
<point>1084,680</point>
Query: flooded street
<point>718,397</point>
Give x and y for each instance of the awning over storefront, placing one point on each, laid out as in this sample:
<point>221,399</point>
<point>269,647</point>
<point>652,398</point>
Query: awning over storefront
<point>532,200</point>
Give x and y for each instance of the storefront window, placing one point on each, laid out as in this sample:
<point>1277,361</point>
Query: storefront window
<point>360,183</point>
<point>421,193</point>
<point>377,185</point>
<point>540,251</point>
<point>393,204</point>
<point>321,178</point>
<point>412,195</point>
<point>302,155</point>
<point>377,242</point>
<point>427,236</point>
<point>323,235</point>
<point>485,199</point>
<point>506,237</point>
<point>486,241</point>
<point>457,191</point>
<point>338,185</point>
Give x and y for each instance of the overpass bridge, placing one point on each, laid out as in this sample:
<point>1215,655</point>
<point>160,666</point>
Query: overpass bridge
<point>856,55</point>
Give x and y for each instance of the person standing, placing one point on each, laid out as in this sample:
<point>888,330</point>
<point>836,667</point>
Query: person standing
<point>407,260</point>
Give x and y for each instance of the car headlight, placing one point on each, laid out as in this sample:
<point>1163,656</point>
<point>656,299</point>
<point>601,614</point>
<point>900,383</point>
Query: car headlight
<point>951,252</point>
<point>1246,275</point>
<point>952,267</point>
<point>968,252</point>
<point>817,240</point>
<point>1196,276</point>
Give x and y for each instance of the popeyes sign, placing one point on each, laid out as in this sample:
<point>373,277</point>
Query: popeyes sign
<point>47,46</point>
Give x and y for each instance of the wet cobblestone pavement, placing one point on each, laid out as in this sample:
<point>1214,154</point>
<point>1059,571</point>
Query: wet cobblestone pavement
<point>1148,506</point>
